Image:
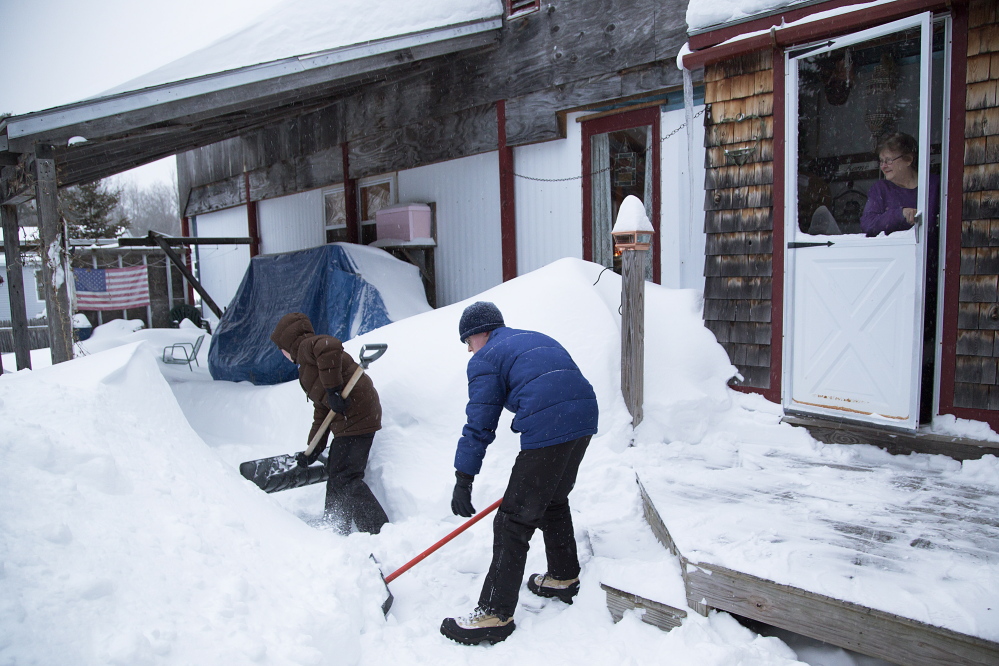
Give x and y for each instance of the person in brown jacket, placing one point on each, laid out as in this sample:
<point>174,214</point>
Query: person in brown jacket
<point>324,368</point>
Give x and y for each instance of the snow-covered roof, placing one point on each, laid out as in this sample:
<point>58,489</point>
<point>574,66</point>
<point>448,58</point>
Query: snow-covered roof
<point>299,28</point>
<point>704,14</point>
<point>299,42</point>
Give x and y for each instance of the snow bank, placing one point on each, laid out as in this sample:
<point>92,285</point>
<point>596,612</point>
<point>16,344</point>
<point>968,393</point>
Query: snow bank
<point>125,540</point>
<point>128,537</point>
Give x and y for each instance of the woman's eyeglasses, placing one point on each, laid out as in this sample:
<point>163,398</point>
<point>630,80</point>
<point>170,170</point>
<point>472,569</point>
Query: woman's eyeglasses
<point>891,160</point>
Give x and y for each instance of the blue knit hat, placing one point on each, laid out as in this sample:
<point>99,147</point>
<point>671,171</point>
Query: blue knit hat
<point>479,317</point>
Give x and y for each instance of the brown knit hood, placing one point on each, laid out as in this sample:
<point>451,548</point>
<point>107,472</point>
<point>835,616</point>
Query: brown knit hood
<point>290,331</point>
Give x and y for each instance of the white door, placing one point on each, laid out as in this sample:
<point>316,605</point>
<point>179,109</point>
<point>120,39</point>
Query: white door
<point>854,302</point>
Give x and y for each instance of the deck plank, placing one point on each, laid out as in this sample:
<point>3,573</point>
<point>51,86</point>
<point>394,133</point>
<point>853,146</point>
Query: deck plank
<point>872,552</point>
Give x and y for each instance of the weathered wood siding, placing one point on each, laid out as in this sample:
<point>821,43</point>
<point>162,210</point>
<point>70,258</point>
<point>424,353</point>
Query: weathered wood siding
<point>572,54</point>
<point>738,218</point>
<point>975,380</point>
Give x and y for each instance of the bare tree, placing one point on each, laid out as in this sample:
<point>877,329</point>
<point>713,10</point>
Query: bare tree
<point>151,208</point>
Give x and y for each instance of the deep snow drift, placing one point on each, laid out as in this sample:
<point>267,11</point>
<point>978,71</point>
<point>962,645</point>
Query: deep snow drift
<point>127,535</point>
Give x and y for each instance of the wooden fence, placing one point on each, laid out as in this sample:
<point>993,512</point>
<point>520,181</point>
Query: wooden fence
<point>38,336</point>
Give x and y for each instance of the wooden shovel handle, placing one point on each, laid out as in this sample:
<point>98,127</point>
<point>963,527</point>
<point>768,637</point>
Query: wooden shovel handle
<point>329,417</point>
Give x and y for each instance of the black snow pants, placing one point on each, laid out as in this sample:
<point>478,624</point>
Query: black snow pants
<point>348,498</point>
<point>537,497</point>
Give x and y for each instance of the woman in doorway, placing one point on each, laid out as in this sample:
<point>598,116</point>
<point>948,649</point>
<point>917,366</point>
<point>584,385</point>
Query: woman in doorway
<point>891,203</point>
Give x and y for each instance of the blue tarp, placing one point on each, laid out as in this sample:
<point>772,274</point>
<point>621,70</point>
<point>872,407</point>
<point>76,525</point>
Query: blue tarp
<point>321,282</point>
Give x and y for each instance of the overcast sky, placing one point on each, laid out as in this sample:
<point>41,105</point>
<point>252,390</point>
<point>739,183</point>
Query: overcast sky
<point>54,52</point>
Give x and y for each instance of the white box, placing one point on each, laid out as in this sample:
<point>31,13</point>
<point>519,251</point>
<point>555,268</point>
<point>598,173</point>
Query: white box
<point>403,222</point>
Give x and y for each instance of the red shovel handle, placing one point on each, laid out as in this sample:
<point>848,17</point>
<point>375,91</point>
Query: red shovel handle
<point>419,558</point>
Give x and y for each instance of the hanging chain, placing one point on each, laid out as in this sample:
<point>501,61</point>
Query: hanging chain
<point>594,173</point>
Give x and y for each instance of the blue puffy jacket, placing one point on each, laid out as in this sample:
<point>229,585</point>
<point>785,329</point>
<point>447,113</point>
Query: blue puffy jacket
<point>534,377</point>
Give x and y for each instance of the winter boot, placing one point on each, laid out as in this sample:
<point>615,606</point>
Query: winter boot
<point>481,625</point>
<point>544,585</point>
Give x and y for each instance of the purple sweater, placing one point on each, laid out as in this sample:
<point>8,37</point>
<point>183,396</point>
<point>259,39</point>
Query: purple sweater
<point>885,201</point>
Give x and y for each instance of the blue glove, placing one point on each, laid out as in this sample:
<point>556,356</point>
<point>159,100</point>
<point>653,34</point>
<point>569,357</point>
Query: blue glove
<point>336,402</point>
<point>461,498</point>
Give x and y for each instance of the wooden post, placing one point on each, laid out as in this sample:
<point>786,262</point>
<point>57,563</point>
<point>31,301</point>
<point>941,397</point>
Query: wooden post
<point>350,198</point>
<point>633,331</point>
<point>185,230</point>
<point>53,256</point>
<point>508,212</point>
<point>252,227</point>
<point>15,287</point>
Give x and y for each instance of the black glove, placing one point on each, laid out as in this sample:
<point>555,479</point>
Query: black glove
<point>461,498</point>
<point>337,403</point>
<point>304,460</point>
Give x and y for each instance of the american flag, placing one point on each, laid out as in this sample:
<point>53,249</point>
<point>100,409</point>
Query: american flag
<point>111,288</point>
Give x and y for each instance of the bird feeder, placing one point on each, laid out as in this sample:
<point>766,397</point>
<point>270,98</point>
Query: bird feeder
<point>632,229</point>
<point>632,240</point>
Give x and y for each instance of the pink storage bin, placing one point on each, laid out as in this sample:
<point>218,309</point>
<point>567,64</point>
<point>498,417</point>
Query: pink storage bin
<point>403,222</point>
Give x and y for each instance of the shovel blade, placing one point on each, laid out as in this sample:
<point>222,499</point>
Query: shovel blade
<point>282,473</point>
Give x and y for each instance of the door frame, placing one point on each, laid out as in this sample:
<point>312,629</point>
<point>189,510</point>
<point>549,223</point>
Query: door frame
<point>614,123</point>
<point>950,210</point>
<point>925,21</point>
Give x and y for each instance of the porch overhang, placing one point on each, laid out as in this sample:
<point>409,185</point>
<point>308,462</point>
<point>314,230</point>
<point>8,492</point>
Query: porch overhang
<point>96,138</point>
<point>805,24</point>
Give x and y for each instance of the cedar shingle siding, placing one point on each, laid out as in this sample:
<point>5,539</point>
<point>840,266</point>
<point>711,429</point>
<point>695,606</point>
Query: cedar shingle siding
<point>738,211</point>
<point>978,319</point>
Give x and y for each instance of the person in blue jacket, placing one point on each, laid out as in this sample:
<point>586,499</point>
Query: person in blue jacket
<point>555,412</point>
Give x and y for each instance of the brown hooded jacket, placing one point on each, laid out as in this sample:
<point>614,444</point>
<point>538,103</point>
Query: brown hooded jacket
<point>323,364</point>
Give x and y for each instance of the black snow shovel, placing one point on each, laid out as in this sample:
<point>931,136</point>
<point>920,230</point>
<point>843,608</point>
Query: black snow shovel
<point>282,472</point>
<point>387,604</point>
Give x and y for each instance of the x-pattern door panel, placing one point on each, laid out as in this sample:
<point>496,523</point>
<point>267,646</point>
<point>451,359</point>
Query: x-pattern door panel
<point>854,325</point>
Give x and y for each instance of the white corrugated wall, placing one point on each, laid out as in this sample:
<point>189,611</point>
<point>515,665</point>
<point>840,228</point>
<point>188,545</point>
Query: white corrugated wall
<point>682,234</point>
<point>468,256</point>
<point>290,223</point>
<point>222,267</point>
<point>549,214</point>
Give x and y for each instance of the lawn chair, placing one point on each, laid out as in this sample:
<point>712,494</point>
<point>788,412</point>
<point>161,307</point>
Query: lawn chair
<point>180,353</point>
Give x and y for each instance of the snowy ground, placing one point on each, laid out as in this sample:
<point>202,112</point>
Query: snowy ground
<point>127,535</point>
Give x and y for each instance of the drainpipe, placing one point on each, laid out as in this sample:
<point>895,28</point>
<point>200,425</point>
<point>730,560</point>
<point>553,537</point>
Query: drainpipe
<point>686,245</point>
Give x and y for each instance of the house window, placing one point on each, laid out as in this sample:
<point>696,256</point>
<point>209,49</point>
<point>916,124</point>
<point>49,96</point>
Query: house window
<point>39,286</point>
<point>518,8</point>
<point>373,194</point>
<point>335,215</point>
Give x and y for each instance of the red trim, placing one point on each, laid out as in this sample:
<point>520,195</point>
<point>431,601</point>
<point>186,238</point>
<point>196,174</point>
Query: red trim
<point>252,228</point>
<point>706,40</point>
<point>349,197</point>
<point>185,230</point>
<point>508,212</point>
<point>614,123</point>
<point>954,212</point>
<point>774,393</point>
<point>833,26</point>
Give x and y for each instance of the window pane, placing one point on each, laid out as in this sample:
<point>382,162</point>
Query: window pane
<point>374,198</point>
<point>851,101</point>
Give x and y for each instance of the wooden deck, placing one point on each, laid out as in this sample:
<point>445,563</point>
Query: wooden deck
<point>853,569</point>
<point>900,442</point>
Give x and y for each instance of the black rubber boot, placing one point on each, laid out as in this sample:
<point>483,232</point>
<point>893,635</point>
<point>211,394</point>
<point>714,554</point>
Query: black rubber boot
<point>481,626</point>
<point>544,585</point>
